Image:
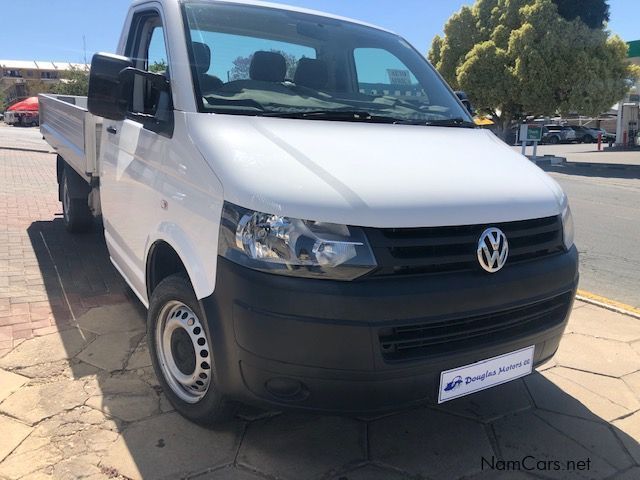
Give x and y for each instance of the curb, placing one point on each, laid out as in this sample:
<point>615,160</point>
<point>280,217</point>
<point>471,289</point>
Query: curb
<point>608,304</point>
<point>553,161</point>
<point>33,150</point>
<point>548,160</point>
<point>613,166</point>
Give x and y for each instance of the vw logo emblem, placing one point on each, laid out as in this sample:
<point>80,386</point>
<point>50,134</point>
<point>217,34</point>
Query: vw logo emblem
<point>493,250</point>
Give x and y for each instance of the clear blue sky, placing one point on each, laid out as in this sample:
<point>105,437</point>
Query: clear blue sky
<point>56,27</point>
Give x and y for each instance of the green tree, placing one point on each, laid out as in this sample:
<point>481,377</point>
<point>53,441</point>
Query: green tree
<point>242,66</point>
<point>595,13</point>
<point>158,66</point>
<point>240,69</point>
<point>35,87</point>
<point>516,57</point>
<point>73,82</point>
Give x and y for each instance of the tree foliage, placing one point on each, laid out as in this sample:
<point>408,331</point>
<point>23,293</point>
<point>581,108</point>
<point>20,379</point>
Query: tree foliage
<point>242,66</point>
<point>158,66</point>
<point>74,82</point>
<point>240,69</point>
<point>521,56</point>
<point>35,87</point>
<point>595,13</point>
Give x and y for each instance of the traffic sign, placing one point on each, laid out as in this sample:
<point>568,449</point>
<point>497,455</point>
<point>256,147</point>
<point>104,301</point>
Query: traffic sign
<point>530,133</point>
<point>534,133</point>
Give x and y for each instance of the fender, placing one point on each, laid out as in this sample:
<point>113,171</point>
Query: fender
<point>201,269</point>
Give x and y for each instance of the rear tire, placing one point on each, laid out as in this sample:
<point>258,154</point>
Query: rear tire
<point>76,214</point>
<point>554,140</point>
<point>180,345</point>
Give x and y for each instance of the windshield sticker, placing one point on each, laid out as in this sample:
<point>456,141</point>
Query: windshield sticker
<point>399,77</point>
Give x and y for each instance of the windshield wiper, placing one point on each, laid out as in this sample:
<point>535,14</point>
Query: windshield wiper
<point>365,116</point>
<point>344,115</point>
<point>451,122</point>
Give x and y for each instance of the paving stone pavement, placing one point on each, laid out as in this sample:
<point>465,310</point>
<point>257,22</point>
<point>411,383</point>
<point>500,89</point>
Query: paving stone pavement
<point>78,398</point>
<point>47,277</point>
<point>22,138</point>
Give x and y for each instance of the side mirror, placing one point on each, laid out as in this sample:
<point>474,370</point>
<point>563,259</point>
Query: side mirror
<point>465,101</point>
<point>106,96</point>
<point>156,80</point>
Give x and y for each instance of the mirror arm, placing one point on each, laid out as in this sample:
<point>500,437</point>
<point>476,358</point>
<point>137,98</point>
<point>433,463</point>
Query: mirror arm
<point>158,81</point>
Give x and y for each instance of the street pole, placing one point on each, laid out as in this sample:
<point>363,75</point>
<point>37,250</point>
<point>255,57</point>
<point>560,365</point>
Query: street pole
<point>523,138</point>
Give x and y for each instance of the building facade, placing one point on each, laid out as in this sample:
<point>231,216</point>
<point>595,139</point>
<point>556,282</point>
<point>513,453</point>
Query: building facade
<point>17,75</point>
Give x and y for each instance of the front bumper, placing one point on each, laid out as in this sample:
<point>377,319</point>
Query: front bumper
<point>319,344</point>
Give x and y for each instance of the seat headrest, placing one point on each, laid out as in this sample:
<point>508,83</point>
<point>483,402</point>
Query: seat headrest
<point>268,67</point>
<point>202,57</point>
<point>312,73</point>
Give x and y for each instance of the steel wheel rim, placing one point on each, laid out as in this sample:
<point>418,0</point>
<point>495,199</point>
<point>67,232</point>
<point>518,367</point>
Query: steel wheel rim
<point>177,331</point>
<point>66,200</point>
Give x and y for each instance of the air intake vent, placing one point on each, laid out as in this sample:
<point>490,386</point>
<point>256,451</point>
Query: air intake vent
<point>441,336</point>
<point>414,251</point>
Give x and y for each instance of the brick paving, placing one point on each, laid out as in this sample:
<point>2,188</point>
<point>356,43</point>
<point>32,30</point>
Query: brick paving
<point>38,257</point>
<point>78,398</point>
<point>19,138</point>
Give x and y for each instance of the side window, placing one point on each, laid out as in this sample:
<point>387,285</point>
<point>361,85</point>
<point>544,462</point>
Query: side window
<point>157,51</point>
<point>380,73</point>
<point>149,104</point>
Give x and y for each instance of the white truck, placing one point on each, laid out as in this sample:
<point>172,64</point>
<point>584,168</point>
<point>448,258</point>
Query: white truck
<point>309,213</point>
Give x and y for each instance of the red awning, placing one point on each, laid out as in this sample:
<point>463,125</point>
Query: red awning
<point>28,105</point>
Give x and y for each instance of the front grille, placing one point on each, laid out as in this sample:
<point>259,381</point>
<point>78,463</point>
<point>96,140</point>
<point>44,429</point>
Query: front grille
<point>410,251</point>
<point>442,336</point>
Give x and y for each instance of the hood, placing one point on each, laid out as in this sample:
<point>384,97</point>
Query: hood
<point>375,175</point>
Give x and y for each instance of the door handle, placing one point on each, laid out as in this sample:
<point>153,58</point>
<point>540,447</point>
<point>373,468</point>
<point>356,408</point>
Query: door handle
<point>112,130</point>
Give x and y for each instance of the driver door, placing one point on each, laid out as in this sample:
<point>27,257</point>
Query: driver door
<point>133,152</point>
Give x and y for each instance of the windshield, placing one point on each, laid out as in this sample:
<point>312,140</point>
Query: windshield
<point>260,61</point>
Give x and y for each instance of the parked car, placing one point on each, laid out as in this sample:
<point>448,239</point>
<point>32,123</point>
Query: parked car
<point>554,134</point>
<point>586,134</point>
<point>21,119</point>
<point>606,136</point>
<point>303,240</point>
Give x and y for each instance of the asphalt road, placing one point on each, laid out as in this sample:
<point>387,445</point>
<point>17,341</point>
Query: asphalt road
<point>605,202</point>
<point>587,153</point>
<point>606,208</point>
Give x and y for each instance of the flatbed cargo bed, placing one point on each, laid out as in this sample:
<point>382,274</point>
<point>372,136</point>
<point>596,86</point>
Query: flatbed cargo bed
<point>72,131</point>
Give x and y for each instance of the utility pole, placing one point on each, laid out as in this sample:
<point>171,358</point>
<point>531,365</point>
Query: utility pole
<point>84,48</point>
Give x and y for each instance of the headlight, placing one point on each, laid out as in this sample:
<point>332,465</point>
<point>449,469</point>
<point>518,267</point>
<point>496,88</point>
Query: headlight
<point>567,227</point>
<point>290,246</point>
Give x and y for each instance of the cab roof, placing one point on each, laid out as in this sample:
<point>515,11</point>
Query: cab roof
<point>275,6</point>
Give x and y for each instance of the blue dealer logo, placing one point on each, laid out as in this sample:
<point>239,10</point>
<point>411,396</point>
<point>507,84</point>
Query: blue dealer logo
<point>453,384</point>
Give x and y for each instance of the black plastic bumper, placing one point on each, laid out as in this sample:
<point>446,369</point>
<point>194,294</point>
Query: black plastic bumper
<point>315,344</point>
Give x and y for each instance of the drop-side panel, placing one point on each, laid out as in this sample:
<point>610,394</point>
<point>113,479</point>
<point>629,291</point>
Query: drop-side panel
<point>71,131</point>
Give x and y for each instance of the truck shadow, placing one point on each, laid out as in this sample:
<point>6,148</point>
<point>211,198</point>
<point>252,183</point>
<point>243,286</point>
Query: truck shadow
<point>584,169</point>
<point>533,423</point>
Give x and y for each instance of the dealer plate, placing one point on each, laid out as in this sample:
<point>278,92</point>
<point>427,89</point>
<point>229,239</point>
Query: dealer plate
<point>484,374</point>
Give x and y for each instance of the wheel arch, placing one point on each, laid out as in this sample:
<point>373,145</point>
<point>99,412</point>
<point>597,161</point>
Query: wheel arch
<point>169,253</point>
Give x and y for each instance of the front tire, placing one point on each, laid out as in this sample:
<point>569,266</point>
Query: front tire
<point>180,344</point>
<point>75,211</point>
